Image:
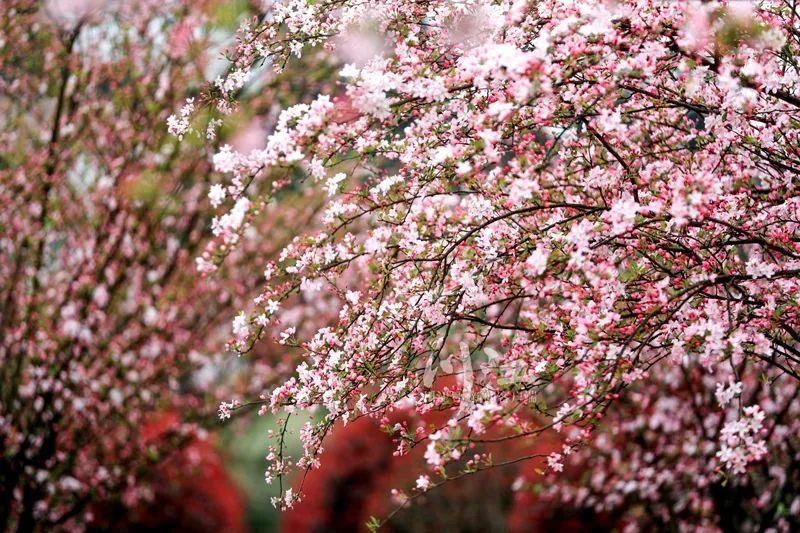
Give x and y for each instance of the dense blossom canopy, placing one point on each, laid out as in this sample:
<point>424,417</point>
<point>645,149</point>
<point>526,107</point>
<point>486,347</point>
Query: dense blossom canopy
<point>586,212</point>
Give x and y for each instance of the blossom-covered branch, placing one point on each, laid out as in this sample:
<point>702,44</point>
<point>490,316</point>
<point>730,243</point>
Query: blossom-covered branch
<point>544,216</point>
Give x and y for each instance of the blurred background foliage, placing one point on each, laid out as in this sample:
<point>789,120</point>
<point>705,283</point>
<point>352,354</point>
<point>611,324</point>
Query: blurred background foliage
<point>242,445</point>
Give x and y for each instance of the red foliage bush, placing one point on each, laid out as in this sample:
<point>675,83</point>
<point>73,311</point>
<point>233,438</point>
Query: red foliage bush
<point>192,491</point>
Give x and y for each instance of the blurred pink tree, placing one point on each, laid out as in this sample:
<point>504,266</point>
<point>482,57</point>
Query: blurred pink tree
<point>104,324</point>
